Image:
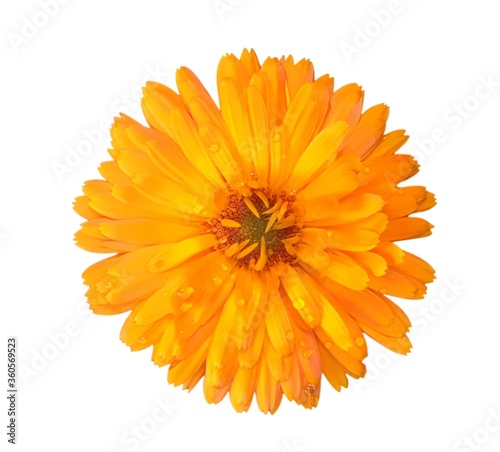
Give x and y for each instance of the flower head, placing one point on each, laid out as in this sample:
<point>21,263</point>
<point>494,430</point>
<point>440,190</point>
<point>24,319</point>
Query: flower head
<point>253,242</point>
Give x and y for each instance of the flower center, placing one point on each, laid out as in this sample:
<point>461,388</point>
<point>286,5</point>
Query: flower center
<point>258,229</point>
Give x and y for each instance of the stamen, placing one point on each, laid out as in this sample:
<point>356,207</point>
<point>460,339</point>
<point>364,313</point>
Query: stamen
<point>271,222</point>
<point>247,250</point>
<point>235,248</point>
<point>291,240</point>
<point>243,189</point>
<point>251,207</point>
<point>243,244</point>
<point>290,249</point>
<point>286,223</point>
<point>282,212</point>
<point>230,223</point>
<point>274,208</point>
<point>288,245</point>
<point>263,255</point>
<point>231,250</point>
<point>263,198</point>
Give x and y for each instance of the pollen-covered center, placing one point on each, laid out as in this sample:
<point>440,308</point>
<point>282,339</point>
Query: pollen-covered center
<point>258,229</point>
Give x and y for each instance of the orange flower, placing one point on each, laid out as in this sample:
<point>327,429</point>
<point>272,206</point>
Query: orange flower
<point>253,242</point>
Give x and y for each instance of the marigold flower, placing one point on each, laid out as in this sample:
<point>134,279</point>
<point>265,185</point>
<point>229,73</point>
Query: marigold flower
<point>253,242</point>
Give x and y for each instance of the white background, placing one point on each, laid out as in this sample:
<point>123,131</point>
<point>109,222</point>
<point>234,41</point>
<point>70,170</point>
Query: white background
<point>61,79</point>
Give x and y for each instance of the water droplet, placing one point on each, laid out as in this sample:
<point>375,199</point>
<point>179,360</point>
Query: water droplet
<point>289,335</point>
<point>328,345</point>
<point>276,137</point>
<point>252,174</point>
<point>165,294</point>
<point>214,148</point>
<point>184,307</point>
<point>161,357</point>
<point>383,290</point>
<point>298,303</point>
<point>217,281</point>
<point>283,156</point>
<point>108,286</point>
<point>366,170</point>
<point>309,318</point>
<point>307,353</point>
<point>224,267</point>
<point>185,292</point>
<point>197,208</point>
<point>359,341</point>
<point>292,192</point>
<point>141,340</point>
<point>329,234</point>
<point>302,343</point>
<point>309,389</point>
<point>240,302</point>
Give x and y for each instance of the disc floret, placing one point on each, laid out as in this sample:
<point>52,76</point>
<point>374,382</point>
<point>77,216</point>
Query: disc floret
<point>258,229</point>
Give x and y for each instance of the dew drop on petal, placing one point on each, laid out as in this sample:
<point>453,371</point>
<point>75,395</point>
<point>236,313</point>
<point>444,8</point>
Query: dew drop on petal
<point>214,148</point>
<point>217,281</point>
<point>302,343</point>
<point>198,208</point>
<point>311,396</point>
<point>289,335</point>
<point>307,353</point>
<point>141,340</point>
<point>298,303</point>
<point>224,267</point>
<point>328,344</point>
<point>276,137</point>
<point>309,318</point>
<point>383,290</point>
<point>184,307</point>
<point>240,302</point>
<point>309,389</point>
<point>359,341</point>
<point>185,292</point>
